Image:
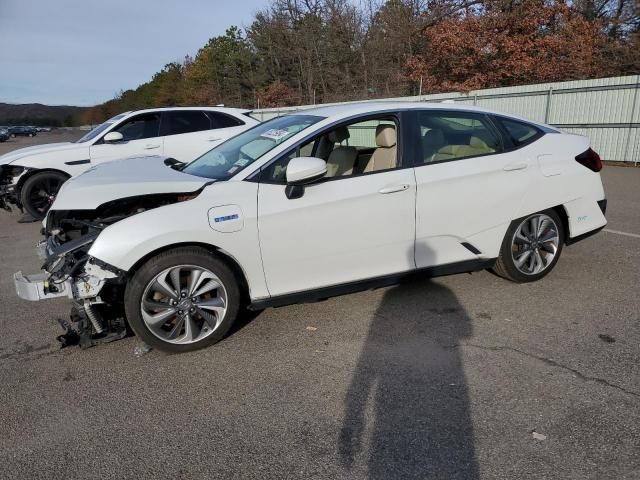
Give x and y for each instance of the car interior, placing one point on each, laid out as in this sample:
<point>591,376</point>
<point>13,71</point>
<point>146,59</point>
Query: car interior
<point>450,138</point>
<point>354,149</point>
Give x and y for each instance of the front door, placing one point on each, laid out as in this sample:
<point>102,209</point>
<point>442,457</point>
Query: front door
<point>140,138</point>
<point>356,223</point>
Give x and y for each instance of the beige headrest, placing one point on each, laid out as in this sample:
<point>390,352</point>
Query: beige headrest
<point>385,136</point>
<point>433,137</point>
<point>475,142</point>
<point>339,135</point>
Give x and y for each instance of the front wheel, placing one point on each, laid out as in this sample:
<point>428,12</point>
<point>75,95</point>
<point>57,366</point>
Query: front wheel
<point>531,247</point>
<point>39,192</point>
<point>182,299</point>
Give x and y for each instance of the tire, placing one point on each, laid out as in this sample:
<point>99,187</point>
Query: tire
<point>184,323</point>
<point>525,257</point>
<point>39,191</point>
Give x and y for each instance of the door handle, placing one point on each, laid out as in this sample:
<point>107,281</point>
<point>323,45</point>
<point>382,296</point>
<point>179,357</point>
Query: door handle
<point>395,188</point>
<point>151,147</point>
<point>214,139</point>
<point>515,166</point>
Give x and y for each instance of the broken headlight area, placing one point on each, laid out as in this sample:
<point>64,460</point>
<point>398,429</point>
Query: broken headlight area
<point>66,225</point>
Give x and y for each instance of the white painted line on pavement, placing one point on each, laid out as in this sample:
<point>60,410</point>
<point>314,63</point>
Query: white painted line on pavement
<point>626,234</point>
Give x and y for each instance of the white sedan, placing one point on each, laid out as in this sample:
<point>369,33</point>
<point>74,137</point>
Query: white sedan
<point>315,204</point>
<point>31,177</point>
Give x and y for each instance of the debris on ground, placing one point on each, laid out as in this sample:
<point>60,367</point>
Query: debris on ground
<point>538,436</point>
<point>606,338</point>
<point>141,349</point>
<point>312,328</point>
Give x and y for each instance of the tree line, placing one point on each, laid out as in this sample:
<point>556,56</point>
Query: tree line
<point>317,51</point>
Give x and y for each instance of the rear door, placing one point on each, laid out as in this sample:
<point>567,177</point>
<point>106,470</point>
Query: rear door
<point>190,133</point>
<point>140,137</point>
<point>468,187</point>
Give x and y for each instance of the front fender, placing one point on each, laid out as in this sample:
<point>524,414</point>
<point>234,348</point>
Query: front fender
<point>126,242</point>
<point>72,161</point>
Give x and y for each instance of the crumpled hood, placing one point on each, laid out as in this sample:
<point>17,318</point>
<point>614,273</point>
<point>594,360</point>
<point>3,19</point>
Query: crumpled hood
<point>37,149</point>
<point>122,179</point>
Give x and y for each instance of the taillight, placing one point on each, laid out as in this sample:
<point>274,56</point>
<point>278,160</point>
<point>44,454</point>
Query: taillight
<point>591,160</point>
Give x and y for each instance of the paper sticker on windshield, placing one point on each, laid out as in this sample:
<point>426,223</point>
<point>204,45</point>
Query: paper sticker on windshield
<point>242,162</point>
<point>275,134</point>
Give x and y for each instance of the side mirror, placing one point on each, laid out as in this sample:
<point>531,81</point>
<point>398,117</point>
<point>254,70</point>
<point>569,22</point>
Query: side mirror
<point>113,137</point>
<point>302,171</point>
<point>305,170</point>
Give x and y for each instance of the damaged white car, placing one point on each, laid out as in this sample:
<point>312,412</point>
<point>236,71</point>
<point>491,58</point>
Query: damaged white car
<point>312,205</point>
<point>31,177</point>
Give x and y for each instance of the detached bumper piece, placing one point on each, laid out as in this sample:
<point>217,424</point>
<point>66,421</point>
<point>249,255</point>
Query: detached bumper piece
<point>36,287</point>
<point>91,321</point>
<point>6,198</point>
<point>87,328</point>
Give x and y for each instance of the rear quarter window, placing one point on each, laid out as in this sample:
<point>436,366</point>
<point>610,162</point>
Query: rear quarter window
<point>520,133</point>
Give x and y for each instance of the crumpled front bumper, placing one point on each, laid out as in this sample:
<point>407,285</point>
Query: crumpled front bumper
<point>36,287</point>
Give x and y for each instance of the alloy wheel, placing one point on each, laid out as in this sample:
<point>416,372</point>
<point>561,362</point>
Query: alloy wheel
<point>184,304</point>
<point>43,193</point>
<point>535,244</point>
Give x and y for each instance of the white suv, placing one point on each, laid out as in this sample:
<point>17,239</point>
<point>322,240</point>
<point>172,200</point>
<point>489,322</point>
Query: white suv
<point>311,205</point>
<point>31,177</point>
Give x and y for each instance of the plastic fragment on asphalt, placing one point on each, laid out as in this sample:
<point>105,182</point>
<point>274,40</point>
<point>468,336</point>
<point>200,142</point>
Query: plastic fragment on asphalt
<point>141,349</point>
<point>538,436</point>
<point>311,328</point>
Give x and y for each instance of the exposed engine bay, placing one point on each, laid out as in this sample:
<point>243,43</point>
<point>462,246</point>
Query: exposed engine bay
<point>95,288</point>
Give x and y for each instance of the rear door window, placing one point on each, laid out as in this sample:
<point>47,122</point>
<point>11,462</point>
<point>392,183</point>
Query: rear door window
<point>220,120</point>
<point>185,121</point>
<point>447,136</point>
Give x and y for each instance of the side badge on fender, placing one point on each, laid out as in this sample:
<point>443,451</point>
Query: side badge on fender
<point>226,218</point>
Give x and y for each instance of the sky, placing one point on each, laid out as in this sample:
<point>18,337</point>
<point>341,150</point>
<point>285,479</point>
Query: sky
<point>83,52</point>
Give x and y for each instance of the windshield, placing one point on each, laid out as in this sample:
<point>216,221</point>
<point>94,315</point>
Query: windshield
<point>228,158</point>
<point>101,128</point>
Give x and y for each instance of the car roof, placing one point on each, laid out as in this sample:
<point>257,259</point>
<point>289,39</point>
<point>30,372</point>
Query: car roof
<point>237,111</point>
<point>340,111</point>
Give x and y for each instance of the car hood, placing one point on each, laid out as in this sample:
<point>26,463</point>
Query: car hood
<point>122,179</point>
<point>46,148</point>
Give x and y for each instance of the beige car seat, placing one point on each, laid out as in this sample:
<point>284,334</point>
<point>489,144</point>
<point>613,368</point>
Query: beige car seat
<point>432,141</point>
<point>476,147</point>
<point>342,159</point>
<point>385,156</point>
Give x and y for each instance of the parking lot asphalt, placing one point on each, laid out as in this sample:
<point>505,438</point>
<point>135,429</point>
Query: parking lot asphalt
<point>461,377</point>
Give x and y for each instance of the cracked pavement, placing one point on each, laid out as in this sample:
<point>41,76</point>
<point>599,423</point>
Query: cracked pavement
<point>445,378</point>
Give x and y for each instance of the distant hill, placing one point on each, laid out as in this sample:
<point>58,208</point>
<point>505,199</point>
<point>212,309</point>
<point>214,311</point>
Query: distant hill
<point>38,114</point>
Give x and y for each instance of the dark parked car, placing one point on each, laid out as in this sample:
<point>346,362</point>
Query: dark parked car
<point>4,134</point>
<point>22,131</point>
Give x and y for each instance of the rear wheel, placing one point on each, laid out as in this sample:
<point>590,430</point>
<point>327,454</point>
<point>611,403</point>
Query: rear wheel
<point>182,300</point>
<point>531,247</point>
<point>39,192</point>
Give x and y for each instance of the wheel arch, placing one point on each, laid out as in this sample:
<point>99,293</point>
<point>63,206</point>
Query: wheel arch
<point>33,171</point>
<point>562,213</point>
<point>225,256</point>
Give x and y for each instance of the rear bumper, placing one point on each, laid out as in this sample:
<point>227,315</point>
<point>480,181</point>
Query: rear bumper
<point>35,287</point>
<point>602,204</point>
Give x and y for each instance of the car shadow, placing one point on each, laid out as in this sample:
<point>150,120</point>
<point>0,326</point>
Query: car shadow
<point>406,410</point>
